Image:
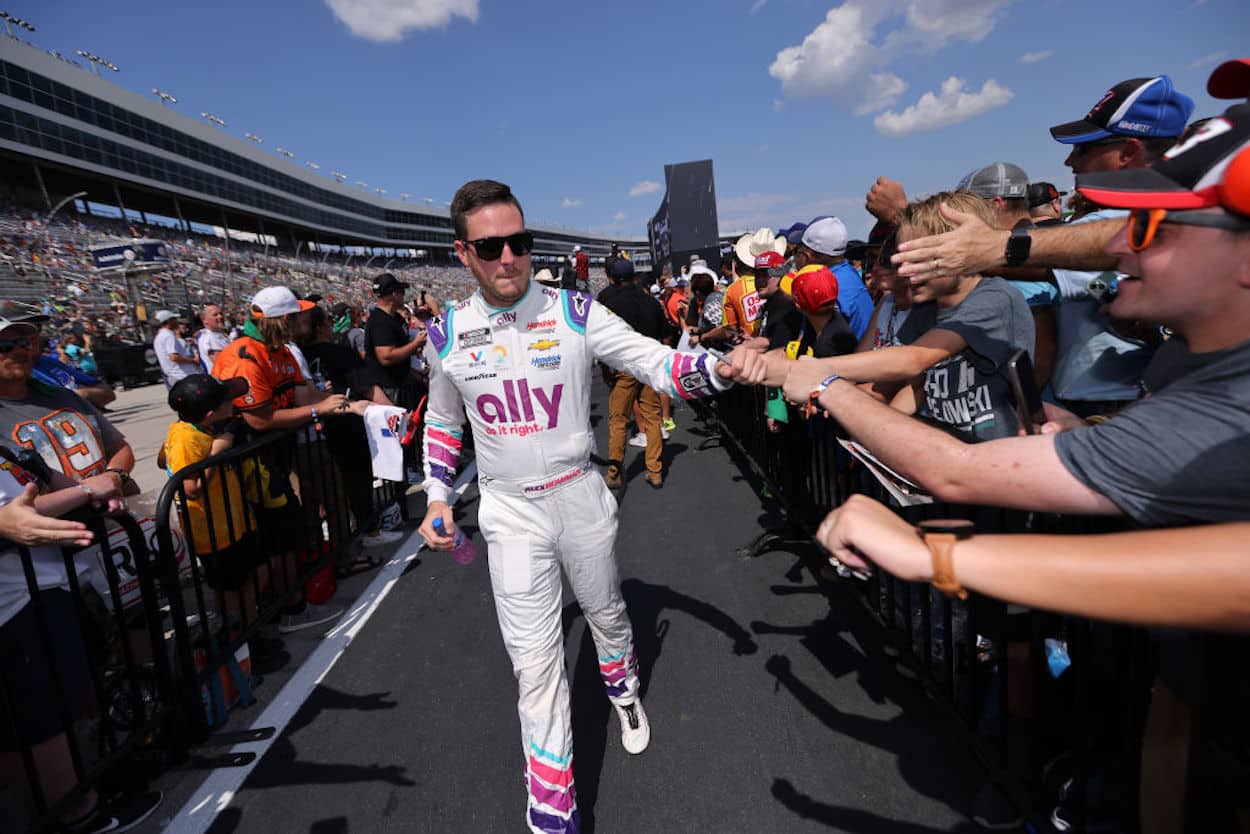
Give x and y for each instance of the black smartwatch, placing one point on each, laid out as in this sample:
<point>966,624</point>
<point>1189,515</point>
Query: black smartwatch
<point>1018,246</point>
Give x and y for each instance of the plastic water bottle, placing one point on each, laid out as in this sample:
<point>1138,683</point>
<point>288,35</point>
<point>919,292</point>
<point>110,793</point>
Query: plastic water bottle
<point>463,551</point>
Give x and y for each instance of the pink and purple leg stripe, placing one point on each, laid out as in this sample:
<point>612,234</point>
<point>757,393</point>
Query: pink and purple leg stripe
<point>553,798</point>
<point>615,670</point>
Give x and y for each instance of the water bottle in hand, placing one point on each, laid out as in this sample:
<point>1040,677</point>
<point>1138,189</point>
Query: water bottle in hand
<point>463,551</point>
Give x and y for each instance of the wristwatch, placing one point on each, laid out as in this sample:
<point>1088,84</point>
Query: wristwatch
<point>940,534</point>
<point>1019,244</point>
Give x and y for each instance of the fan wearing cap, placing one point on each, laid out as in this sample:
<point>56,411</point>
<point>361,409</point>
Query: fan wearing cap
<point>1045,204</point>
<point>81,444</point>
<point>172,351</point>
<point>1175,457</point>
<point>388,346</point>
<point>971,325</point>
<point>1097,370</point>
<point>742,302</point>
<point>823,245</point>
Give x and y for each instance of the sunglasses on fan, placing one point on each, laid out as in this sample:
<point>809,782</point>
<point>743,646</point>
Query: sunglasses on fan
<point>10,345</point>
<point>1144,223</point>
<point>491,248</point>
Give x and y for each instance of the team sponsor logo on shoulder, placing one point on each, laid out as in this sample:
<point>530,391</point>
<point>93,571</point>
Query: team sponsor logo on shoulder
<point>463,305</point>
<point>550,293</point>
<point>505,319</point>
<point>541,325</point>
<point>497,355</point>
<point>474,338</point>
<point>546,363</point>
<point>544,344</point>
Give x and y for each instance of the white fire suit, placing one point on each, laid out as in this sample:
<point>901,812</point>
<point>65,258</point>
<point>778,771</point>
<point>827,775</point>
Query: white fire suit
<point>523,375</point>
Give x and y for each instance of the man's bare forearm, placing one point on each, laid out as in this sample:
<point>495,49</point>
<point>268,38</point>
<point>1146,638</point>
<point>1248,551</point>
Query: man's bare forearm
<point>1077,246</point>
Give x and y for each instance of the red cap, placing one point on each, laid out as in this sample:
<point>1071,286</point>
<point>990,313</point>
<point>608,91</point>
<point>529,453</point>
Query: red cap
<point>814,289</point>
<point>1230,79</point>
<point>769,260</point>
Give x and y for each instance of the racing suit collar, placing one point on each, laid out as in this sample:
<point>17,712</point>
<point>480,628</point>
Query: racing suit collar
<point>492,310</point>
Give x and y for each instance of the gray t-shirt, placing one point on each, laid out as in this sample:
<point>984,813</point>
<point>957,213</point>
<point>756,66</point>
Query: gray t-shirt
<point>969,392</point>
<point>356,340</point>
<point>1092,361</point>
<point>68,432</point>
<point>1180,455</point>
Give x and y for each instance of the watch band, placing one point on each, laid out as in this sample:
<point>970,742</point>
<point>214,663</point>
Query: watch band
<point>940,546</point>
<point>1019,245</point>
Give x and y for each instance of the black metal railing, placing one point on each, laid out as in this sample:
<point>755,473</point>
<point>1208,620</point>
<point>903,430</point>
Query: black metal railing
<point>1056,707</point>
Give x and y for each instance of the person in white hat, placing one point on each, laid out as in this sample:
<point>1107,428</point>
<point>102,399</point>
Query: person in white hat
<point>172,351</point>
<point>742,303</point>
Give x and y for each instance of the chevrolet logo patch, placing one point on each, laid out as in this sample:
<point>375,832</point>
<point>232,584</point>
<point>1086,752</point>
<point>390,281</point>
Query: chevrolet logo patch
<point>545,344</point>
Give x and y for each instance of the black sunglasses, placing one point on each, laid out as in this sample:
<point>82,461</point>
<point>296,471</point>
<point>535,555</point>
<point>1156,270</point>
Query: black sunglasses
<point>9,345</point>
<point>491,248</point>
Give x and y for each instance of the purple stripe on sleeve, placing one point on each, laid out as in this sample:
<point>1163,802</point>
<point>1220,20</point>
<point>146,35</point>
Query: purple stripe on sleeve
<point>439,453</point>
<point>441,473</point>
<point>560,800</point>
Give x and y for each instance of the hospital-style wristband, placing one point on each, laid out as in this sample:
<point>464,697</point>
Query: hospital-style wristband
<point>813,405</point>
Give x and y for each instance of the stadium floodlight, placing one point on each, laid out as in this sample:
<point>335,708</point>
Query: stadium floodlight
<point>429,201</point>
<point>166,98</point>
<point>253,137</point>
<point>313,165</point>
<point>286,153</point>
<point>404,196</point>
<point>380,190</point>
<point>213,119</point>
<point>338,175</point>
<point>362,184</point>
<point>96,61</point>
<point>15,21</point>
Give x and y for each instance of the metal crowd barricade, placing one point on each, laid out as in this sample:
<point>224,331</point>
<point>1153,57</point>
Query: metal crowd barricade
<point>1044,731</point>
<point>159,643</point>
<point>111,679</point>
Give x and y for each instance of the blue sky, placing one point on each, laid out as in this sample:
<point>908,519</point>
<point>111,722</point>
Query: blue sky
<point>578,105</point>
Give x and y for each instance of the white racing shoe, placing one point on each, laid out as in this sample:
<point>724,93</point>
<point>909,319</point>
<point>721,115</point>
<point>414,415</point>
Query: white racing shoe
<point>635,731</point>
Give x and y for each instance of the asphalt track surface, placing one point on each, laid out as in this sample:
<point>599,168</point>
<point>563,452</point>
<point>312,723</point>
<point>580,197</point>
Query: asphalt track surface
<point>772,706</point>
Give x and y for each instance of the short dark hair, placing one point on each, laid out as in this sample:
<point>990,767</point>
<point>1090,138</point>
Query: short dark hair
<point>702,284</point>
<point>475,194</point>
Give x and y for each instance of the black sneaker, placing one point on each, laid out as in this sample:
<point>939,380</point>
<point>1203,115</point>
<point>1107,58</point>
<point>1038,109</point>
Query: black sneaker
<point>119,814</point>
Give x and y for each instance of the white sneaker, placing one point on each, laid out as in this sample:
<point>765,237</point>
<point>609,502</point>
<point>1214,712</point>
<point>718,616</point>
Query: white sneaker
<point>639,440</point>
<point>664,433</point>
<point>635,731</point>
<point>379,538</point>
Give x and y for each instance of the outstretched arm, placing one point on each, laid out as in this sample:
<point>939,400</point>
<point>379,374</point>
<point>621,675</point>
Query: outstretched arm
<point>1186,578</point>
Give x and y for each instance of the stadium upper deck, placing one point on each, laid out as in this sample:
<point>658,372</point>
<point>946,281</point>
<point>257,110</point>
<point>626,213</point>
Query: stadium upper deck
<point>64,130</point>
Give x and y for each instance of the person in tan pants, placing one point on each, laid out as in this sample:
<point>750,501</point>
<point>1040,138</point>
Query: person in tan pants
<point>626,390</point>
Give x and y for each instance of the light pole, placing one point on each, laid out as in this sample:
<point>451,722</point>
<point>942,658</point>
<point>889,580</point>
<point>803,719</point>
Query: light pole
<point>96,61</point>
<point>166,98</point>
<point>16,21</point>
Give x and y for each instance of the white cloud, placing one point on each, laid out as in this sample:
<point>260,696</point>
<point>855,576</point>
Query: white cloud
<point>1034,57</point>
<point>1207,60</point>
<point>952,105</point>
<point>619,216</point>
<point>569,202</point>
<point>644,187</point>
<point>387,21</point>
<point>847,59</point>
<point>757,5</point>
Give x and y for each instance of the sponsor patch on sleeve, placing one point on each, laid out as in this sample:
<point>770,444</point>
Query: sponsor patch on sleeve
<point>474,338</point>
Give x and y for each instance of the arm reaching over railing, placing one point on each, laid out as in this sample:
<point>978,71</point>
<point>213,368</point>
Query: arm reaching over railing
<point>1192,577</point>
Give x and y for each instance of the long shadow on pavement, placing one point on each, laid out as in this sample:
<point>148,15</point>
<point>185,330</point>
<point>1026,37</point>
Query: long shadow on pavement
<point>593,718</point>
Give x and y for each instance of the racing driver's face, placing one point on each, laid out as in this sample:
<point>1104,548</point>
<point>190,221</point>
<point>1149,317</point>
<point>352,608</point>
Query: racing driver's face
<point>504,279</point>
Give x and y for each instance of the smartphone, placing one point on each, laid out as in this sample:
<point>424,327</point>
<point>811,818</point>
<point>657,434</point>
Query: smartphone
<point>1023,386</point>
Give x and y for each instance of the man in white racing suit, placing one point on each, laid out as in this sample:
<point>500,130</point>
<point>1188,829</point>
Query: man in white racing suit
<point>517,357</point>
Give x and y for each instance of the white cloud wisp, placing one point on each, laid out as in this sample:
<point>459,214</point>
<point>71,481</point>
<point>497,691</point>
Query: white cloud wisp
<point>388,21</point>
<point>644,187</point>
<point>953,104</point>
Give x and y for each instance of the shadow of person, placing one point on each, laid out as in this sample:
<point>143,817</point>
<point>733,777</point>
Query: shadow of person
<point>281,765</point>
<point>908,735</point>
<point>592,713</point>
<point>852,819</point>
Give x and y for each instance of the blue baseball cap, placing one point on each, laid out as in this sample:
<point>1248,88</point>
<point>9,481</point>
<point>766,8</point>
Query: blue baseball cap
<point>794,234</point>
<point>1141,107</point>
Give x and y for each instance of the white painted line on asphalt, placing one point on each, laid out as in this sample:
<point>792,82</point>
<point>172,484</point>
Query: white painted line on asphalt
<point>215,793</point>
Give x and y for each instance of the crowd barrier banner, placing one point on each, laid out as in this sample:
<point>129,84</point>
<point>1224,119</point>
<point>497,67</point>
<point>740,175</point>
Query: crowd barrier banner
<point>1057,708</point>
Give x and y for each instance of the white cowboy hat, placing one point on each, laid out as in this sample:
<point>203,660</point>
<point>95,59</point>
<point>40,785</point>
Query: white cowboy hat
<point>544,276</point>
<point>763,240</point>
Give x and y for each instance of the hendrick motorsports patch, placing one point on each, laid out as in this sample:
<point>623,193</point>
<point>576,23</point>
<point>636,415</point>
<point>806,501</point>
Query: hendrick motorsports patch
<point>473,338</point>
<point>692,383</point>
